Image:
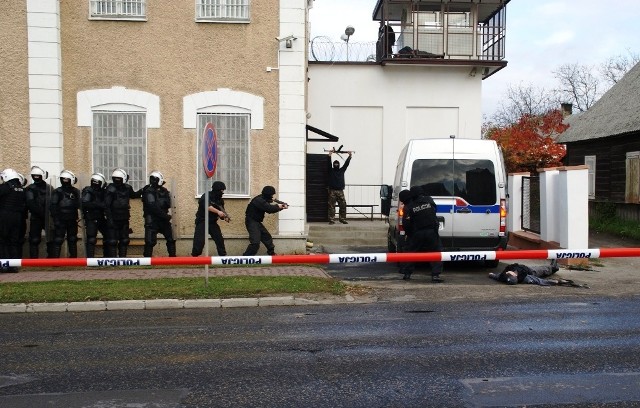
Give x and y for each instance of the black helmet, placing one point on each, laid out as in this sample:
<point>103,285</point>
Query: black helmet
<point>218,186</point>
<point>268,191</point>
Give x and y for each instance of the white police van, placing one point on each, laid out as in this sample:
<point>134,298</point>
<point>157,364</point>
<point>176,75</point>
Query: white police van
<point>467,180</point>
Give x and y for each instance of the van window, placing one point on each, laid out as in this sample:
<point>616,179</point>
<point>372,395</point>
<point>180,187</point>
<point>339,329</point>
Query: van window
<point>472,180</point>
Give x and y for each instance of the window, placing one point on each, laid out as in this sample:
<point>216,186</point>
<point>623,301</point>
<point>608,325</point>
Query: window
<point>116,9</point>
<point>632,180</point>
<point>590,161</point>
<point>472,180</point>
<point>223,10</point>
<point>120,140</point>
<point>232,131</point>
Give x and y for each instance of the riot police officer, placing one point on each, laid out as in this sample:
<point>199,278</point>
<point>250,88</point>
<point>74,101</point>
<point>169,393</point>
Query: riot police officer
<point>216,211</point>
<point>156,201</point>
<point>38,194</point>
<point>421,225</point>
<point>117,211</point>
<point>254,215</point>
<point>12,209</point>
<point>93,197</point>
<point>65,203</point>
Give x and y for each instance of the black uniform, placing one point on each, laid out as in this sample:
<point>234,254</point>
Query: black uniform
<point>117,212</point>
<point>12,209</point>
<point>65,203</point>
<point>156,201</point>
<point>254,215</point>
<point>93,202</point>
<point>37,194</point>
<point>216,201</point>
<point>421,225</point>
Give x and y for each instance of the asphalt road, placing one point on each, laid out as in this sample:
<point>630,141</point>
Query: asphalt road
<point>456,353</point>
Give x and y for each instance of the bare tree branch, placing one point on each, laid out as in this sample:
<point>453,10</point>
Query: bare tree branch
<point>578,85</point>
<point>615,67</point>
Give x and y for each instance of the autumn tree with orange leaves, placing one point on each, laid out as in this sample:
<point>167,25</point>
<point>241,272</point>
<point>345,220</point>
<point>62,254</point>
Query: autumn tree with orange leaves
<point>529,144</point>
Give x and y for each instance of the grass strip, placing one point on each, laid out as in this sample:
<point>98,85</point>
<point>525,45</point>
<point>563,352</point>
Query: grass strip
<point>616,226</point>
<point>164,288</point>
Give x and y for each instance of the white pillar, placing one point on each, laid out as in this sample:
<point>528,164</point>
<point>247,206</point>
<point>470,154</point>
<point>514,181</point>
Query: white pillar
<point>45,85</point>
<point>292,77</point>
<point>573,207</point>
<point>548,204</point>
<point>514,204</point>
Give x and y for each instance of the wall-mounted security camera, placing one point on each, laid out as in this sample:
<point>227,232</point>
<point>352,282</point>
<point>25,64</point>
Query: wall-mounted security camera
<point>286,38</point>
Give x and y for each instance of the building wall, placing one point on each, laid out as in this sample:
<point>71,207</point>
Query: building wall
<point>375,110</point>
<point>14,83</point>
<point>171,56</point>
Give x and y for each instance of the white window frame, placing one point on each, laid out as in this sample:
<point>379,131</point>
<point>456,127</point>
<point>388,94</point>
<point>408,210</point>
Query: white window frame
<point>122,158</point>
<point>128,10</point>
<point>223,101</point>
<point>590,162</point>
<point>223,11</point>
<point>233,150</point>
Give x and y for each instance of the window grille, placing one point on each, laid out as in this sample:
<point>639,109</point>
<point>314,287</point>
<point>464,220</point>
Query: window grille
<point>120,140</point>
<point>118,8</point>
<point>223,10</point>
<point>232,131</point>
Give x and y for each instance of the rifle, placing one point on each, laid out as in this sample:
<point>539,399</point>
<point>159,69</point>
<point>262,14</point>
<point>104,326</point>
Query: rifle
<point>281,202</point>
<point>225,216</point>
<point>333,150</point>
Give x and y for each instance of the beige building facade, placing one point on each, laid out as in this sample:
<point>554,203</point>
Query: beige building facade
<point>93,85</point>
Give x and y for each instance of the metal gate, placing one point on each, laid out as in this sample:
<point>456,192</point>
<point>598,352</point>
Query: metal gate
<point>531,204</point>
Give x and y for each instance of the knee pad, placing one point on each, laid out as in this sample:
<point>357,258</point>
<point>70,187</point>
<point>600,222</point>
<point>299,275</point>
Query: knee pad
<point>91,240</point>
<point>124,241</point>
<point>35,240</point>
<point>110,242</point>
<point>72,239</point>
<point>57,240</point>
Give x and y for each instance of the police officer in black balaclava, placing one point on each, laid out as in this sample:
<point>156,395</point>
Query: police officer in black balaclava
<point>92,199</point>
<point>156,202</point>
<point>254,215</point>
<point>65,203</point>
<point>37,195</point>
<point>421,225</point>
<point>216,211</point>
<point>12,209</point>
<point>117,211</point>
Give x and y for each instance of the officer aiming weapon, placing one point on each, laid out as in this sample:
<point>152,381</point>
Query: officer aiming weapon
<point>281,202</point>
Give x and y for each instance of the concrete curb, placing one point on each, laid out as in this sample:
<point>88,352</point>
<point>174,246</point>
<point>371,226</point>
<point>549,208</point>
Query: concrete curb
<point>163,304</point>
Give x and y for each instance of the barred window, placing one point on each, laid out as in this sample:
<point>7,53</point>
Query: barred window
<point>232,131</point>
<point>118,9</point>
<point>120,140</point>
<point>222,10</point>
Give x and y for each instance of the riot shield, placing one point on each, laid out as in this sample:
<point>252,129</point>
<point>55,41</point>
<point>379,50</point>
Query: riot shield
<point>175,227</point>
<point>83,181</point>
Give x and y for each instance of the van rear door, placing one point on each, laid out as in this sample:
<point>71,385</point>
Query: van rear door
<point>466,193</point>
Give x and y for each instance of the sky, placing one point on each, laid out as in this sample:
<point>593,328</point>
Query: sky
<point>541,36</point>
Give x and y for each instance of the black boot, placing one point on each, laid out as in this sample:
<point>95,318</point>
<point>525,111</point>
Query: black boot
<point>122,251</point>
<point>55,251</point>
<point>73,249</point>
<point>148,251</point>
<point>171,248</point>
<point>33,251</point>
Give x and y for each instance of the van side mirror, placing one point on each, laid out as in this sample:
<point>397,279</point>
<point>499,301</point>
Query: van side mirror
<point>385,192</point>
<point>385,199</point>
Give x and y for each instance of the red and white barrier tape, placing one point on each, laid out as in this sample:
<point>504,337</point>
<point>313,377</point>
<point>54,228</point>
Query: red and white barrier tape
<point>330,258</point>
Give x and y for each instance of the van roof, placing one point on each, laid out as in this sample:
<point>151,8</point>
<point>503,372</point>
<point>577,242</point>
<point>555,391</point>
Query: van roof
<point>448,145</point>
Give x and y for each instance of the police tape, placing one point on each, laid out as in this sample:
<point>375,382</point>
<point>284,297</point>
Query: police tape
<point>328,258</point>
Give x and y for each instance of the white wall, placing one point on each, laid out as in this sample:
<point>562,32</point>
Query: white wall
<point>376,109</point>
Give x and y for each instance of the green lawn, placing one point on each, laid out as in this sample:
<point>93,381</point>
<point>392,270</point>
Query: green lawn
<point>165,288</point>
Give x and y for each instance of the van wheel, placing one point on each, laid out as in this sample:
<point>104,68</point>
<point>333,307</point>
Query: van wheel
<point>491,264</point>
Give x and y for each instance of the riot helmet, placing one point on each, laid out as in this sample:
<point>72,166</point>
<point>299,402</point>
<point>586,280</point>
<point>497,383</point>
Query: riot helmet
<point>67,178</point>
<point>38,174</point>
<point>119,176</point>
<point>9,174</point>
<point>156,178</point>
<point>98,181</point>
<point>23,180</point>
